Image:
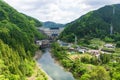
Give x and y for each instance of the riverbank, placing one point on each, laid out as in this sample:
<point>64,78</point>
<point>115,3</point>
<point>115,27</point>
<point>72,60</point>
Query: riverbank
<point>48,77</point>
<point>38,54</point>
<point>54,70</point>
<point>57,61</point>
<point>39,73</point>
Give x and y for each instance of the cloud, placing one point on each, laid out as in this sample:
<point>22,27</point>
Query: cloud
<point>61,11</point>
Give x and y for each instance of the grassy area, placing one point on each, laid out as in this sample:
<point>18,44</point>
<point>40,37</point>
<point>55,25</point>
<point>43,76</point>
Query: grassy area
<point>38,74</point>
<point>78,56</point>
<point>111,50</point>
<point>117,50</point>
<point>96,43</point>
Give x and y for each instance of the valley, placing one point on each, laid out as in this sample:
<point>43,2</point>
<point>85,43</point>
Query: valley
<point>87,48</point>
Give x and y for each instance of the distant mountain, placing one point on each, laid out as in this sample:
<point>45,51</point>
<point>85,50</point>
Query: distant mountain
<point>99,23</point>
<point>49,24</point>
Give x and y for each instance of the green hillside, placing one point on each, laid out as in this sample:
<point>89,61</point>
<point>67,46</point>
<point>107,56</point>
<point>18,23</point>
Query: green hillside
<point>17,35</point>
<point>95,24</point>
<point>35,21</point>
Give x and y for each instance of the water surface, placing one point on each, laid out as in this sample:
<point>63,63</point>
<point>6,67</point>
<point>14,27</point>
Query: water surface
<point>52,69</point>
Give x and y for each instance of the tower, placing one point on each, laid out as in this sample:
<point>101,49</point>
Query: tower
<point>111,26</point>
<point>75,40</point>
<point>111,29</point>
<point>113,10</point>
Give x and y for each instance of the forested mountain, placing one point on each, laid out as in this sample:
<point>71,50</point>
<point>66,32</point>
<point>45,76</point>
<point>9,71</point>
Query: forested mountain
<point>35,21</point>
<point>49,24</point>
<point>99,23</point>
<point>17,35</point>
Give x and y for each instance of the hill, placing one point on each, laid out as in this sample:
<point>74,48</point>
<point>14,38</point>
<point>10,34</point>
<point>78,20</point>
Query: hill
<point>35,21</point>
<point>17,35</point>
<point>99,23</point>
<point>49,24</point>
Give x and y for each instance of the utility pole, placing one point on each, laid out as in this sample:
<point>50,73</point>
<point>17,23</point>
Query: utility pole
<point>111,29</point>
<point>75,40</point>
<point>113,10</point>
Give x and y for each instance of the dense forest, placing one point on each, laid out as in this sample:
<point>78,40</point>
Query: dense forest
<point>17,36</point>
<point>36,22</point>
<point>97,24</point>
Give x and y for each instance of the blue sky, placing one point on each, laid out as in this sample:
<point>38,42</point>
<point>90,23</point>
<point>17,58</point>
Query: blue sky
<point>60,11</point>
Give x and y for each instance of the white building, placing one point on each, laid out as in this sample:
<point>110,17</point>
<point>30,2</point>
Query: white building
<point>109,46</point>
<point>39,42</point>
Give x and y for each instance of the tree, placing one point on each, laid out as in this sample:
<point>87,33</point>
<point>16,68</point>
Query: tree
<point>118,44</point>
<point>94,60</point>
<point>105,58</point>
<point>85,59</point>
<point>85,77</point>
<point>99,73</point>
<point>108,39</point>
<point>67,63</point>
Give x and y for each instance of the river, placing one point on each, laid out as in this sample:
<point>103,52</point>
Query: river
<point>54,70</point>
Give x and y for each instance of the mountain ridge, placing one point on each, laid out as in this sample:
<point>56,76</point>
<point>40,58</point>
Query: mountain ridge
<point>94,24</point>
<point>49,24</point>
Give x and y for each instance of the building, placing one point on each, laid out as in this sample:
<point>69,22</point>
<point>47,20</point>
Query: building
<point>38,42</point>
<point>81,50</point>
<point>109,46</point>
<point>52,32</point>
<point>94,52</point>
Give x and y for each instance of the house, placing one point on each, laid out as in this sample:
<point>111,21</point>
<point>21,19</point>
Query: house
<point>94,52</point>
<point>82,50</point>
<point>38,42</point>
<point>71,49</point>
<point>109,46</point>
<point>64,44</point>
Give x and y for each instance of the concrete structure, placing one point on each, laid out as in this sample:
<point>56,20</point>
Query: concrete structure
<point>51,32</point>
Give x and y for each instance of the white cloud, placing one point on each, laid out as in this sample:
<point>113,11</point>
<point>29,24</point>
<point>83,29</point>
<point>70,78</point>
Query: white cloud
<point>61,11</point>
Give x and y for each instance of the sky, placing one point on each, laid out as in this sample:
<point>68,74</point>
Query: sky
<point>59,11</point>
